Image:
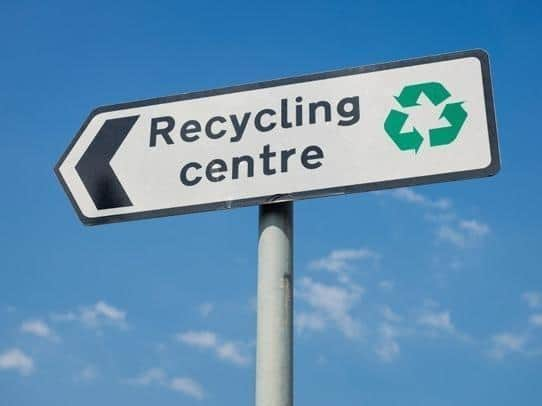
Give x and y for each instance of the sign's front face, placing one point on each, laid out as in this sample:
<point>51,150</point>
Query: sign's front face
<point>412,122</point>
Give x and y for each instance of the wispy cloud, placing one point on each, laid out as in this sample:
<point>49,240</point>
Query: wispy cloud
<point>387,348</point>
<point>149,377</point>
<point>225,350</point>
<point>95,316</point>
<point>309,321</point>
<point>410,196</point>
<point>429,322</point>
<point>330,301</point>
<point>88,374</point>
<point>330,305</point>
<point>533,299</point>
<point>187,386</point>
<point>389,315</point>
<point>15,359</point>
<point>342,259</point>
<point>157,376</point>
<point>102,312</point>
<point>437,321</point>
<point>536,320</point>
<point>10,309</point>
<point>449,228</point>
<point>525,342</point>
<point>505,343</point>
<point>474,227</point>
<point>386,285</point>
<point>231,352</point>
<point>38,328</point>
<point>205,309</point>
<point>463,233</point>
<point>200,339</point>
<point>451,235</point>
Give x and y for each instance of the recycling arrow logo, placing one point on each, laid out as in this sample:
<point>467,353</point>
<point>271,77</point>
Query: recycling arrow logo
<point>408,98</point>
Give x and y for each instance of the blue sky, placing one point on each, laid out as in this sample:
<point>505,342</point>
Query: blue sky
<point>422,296</point>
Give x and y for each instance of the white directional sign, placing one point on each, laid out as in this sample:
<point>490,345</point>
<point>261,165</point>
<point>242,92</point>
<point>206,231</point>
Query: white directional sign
<point>411,122</point>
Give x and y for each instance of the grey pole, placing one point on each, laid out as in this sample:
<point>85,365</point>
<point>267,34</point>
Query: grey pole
<point>274,342</point>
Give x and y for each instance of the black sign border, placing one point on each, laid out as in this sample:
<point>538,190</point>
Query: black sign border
<point>490,170</point>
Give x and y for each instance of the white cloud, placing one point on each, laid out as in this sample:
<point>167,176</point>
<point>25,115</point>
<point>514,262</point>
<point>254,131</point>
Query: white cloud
<point>441,217</point>
<point>95,316</point>
<point>449,234</point>
<point>157,376</point>
<point>225,350</point>
<point>342,259</point>
<point>88,374</point>
<point>390,315</point>
<point>187,386</point>
<point>102,312</point>
<point>332,303</point>
<point>437,321</point>
<point>474,227</point>
<point>64,317</point>
<point>533,299</point>
<point>200,339</point>
<point>526,342</point>
<point>150,376</point>
<point>410,196</point>
<point>459,232</point>
<point>309,321</point>
<point>430,304</point>
<point>455,264</point>
<point>321,360</point>
<point>38,328</point>
<point>536,320</point>
<point>386,285</point>
<point>17,360</point>
<point>387,349</point>
<point>205,309</point>
<point>231,352</point>
<point>429,322</point>
<point>465,232</point>
<point>505,343</point>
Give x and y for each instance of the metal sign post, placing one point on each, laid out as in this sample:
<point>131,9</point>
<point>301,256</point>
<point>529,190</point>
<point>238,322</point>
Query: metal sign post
<point>274,342</point>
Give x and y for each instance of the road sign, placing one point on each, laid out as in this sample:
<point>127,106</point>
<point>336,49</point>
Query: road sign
<point>396,124</point>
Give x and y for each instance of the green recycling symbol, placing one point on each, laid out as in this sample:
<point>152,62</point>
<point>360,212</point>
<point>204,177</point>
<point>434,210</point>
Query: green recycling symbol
<point>412,140</point>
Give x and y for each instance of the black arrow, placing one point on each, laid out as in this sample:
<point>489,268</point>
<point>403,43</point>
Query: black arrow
<point>94,166</point>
